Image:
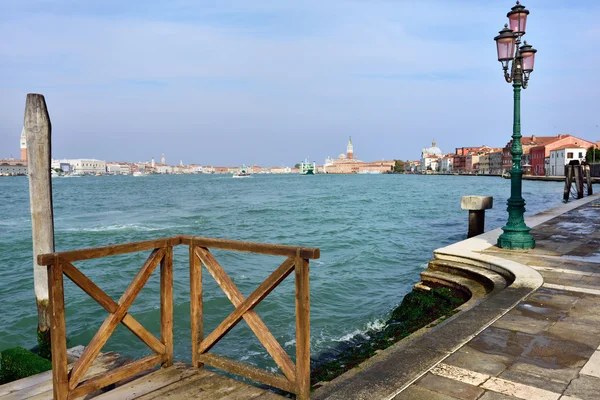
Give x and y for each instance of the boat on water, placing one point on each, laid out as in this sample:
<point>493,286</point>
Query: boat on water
<point>242,173</point>
<point>307,168</point>
<point>139,173</point>
<point>369,172</point>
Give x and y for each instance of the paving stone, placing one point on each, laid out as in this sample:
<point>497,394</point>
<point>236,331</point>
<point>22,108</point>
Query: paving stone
<point>449,387</point>
<point>592,367</point>
<point>516,321</point>
<point>489,395</point>
<point>558,374</point>
<point>535,381</point>
<point>585,388</point>
<point>502,341</point>
<point>419,393</point>
<point>552,352</point>
<point>576,333</point>
<point>519,390</point>
<point>475,360</point>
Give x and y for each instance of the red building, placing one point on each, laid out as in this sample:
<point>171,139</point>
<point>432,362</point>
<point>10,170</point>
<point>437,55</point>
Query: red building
<point>540,154</point>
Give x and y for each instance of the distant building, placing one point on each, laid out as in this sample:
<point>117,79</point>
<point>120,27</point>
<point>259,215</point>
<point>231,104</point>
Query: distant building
<point>540,155</point>
<point>563,156</point>
<point>350,149</point>
<point>23,145</point>
<point>430,158</point>
<point>447,164</point>
<point>86,166</point>
<point>13,167</point>
<point>349,164</point>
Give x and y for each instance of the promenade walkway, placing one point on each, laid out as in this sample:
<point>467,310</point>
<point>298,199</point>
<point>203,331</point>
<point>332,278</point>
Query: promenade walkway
<point>538,339</point>
<point>547,347</point>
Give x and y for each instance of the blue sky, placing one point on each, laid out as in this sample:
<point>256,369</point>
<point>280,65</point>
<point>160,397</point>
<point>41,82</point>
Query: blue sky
<point>272,82</point>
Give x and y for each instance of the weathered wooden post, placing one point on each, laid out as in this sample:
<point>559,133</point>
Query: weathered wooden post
<point>38,133</point>
<point>476,206</point>
<point>588,179</point>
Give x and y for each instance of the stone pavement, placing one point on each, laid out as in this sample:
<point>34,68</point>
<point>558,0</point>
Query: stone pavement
<point>547,347</point>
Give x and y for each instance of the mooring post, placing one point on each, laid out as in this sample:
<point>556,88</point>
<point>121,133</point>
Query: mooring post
<point>476,206</point>
<point>38,135</point>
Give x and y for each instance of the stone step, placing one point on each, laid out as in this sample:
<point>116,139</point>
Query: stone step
<point>491,280</point>
<point>471,287</point>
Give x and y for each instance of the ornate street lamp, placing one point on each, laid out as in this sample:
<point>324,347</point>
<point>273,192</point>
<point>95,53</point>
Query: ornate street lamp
<point>520,60</point>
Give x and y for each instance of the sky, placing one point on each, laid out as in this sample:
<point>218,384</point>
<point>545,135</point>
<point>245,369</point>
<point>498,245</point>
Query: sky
<point>272,82</point>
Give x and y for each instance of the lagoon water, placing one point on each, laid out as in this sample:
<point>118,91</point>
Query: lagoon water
<point>376,233</point>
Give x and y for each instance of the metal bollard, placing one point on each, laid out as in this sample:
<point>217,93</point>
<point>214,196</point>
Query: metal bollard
<point>476,206</point>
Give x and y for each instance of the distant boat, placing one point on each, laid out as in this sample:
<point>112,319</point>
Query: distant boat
<point>369,172</point>
<point>307,168</point>
<point>139,173</point>
<point>242,173</point>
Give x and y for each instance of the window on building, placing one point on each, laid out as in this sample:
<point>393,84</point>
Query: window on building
<point>569,155</point>
<point>580,154</point>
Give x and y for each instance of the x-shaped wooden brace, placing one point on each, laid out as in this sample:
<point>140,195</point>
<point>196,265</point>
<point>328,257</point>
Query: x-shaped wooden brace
<point>245,309</point>
<point>118,313</point>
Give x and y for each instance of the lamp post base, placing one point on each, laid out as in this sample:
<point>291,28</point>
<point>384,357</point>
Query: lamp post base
<point>516,238</point>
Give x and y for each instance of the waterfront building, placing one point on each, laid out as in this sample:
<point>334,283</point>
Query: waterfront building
<point>540,155</point>
<point>447,164</point>
<point>527,142</point>
<point>10,167</point>
<point>496,162</point>
<point>163,169</point>
<point>484,164</point>
<point>350,149</point>
<point>23,145</point>
<point>281,170</point>
<point>118,168</point>
<point>563,156</point>
<point>430,158</point>
<point>87,166</point>
<point>350,164</point>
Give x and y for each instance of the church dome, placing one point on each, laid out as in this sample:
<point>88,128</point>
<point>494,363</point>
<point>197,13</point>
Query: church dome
<point>434,150</point>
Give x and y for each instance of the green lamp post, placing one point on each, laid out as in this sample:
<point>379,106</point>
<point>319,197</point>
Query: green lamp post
<point>520,60</point>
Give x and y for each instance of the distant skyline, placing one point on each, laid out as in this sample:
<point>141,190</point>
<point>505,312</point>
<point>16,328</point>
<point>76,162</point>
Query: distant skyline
<point>271,83</point>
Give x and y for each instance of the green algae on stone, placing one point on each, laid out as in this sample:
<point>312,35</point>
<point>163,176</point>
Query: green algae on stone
<point>416,311</point>
<point>17,363</point>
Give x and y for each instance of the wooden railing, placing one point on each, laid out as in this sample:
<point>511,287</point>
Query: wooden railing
<point>69,384</point>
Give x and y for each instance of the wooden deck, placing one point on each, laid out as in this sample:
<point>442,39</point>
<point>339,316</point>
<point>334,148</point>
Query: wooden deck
<point>179,381</point>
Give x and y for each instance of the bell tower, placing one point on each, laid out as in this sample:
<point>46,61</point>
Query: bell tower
<point>23,145</point>
<point>350,149</point>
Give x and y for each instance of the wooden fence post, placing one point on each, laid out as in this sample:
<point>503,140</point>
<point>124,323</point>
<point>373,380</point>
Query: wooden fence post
<point>196,315</point>
<point>166,305</point>
<point>38,130</point>
<point>302,328</point>
<point>60,377</point>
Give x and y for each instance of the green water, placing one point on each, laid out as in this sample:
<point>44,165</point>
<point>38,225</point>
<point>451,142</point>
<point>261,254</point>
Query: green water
<point>375,232</point>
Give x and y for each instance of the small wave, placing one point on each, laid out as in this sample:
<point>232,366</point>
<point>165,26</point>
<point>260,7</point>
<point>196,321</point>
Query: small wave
<point>289,343</point>
<point>119,227</point>
<point>370,327</point>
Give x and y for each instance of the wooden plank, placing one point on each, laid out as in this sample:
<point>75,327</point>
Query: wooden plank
<point>196,312</point>
<point>239,368</point>
<point>38,131</point>
<point>111,306</point>
<point>111,322</point>
<point>151,382</point>
<point>58,335</point>
<point>166,305</point>
<point>252,247</point>
<point>252,301</point>
<point>106,251</point>
<point>116,375</point>
<point>41,386</point>
<point>259,328</point>
<point>302,328</point>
